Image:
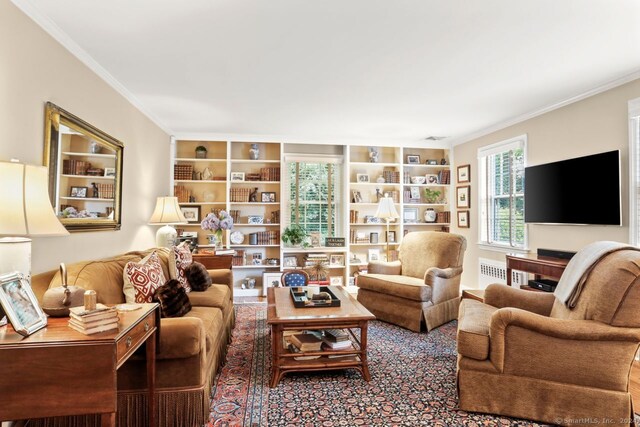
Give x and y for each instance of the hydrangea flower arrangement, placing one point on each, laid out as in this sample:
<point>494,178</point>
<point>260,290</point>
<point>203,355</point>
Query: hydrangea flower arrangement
<point>72,212</point>
<point>217,223</point>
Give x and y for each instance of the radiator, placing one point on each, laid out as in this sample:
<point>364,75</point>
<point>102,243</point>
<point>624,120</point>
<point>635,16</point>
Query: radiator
<point>492,271</point>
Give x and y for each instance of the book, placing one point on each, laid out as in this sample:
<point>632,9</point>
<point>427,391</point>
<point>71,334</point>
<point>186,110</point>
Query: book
<point>80,310</point>
<point>100,316</point>
<point>306,342</point>
<point>329,345</point>
<point>92,324</point>
<point>336,335</point>
<point>96,329</point>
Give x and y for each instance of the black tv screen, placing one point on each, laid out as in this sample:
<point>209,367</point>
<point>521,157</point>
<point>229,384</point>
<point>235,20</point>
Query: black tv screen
<point>584,190</point>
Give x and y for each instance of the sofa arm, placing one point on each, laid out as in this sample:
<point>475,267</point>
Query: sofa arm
<point>505,296</point>
<point>444,282</point>
<point>381,267</point>
<point>580,352</point>
<point>181,337</point>
<point>222,276</point>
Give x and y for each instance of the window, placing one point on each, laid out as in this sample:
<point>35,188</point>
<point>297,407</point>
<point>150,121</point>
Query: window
<point>312,187</point>
<point>634,171</point>
<point>501,204</point>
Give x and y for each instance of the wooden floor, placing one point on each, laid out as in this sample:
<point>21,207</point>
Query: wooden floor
<point>634,385</point>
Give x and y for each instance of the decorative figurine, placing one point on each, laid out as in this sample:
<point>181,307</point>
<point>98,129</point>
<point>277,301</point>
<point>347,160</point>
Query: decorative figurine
<point>96,192</point>
<point>207,174</point>
<point>253,196</point>
<point>254,152</point>
<point>374,154</point>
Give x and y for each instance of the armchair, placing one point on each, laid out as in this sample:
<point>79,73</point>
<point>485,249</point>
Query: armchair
<point>422,288</point>
<point>525,354</point>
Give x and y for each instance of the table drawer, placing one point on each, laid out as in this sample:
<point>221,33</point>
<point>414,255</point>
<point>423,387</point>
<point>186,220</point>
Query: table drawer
<point>135,336</point>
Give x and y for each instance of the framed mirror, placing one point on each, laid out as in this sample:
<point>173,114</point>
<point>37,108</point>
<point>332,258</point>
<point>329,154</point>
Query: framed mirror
<point>85,172</point>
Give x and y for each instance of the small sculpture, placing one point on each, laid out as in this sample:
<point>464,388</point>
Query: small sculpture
<point>374,154</point>
<point>207,175</point>
<point>96,192</point>
<point>254,152</point>
<point>253,196</point>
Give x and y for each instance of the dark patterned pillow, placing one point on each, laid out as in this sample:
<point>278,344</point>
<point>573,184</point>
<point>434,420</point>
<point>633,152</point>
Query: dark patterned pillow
<point>197,277</point>
<point>173,299</point>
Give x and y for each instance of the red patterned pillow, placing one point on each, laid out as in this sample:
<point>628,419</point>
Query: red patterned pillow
<point>180,260</point>
<point>141,279</point>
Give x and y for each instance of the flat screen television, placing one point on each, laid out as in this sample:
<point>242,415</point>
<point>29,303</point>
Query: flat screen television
<point>584,190</point>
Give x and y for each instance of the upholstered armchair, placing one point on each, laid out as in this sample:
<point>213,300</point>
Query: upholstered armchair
<point>422,287</point>
<point>525,354</point>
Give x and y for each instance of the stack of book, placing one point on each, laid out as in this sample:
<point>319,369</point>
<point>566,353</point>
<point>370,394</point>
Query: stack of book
<point>335,339</point>
<point>312,259</point>
<point>89,322</point>
<point>304,342</point>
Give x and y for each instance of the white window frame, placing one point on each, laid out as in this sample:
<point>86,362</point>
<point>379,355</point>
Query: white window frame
<point>483,152</point>
<point>634,171</point>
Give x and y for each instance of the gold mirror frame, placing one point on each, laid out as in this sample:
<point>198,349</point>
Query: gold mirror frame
<point>64,128</point>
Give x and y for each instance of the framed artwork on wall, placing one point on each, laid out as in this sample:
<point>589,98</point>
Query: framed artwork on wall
<point>191,213</point>
<point>464,173</point>
<point>463,197</point>
<point>463,219</point>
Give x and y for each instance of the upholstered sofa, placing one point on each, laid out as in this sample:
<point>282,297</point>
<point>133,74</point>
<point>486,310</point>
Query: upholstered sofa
<point>526,354</point>
<point>422,288</point>
<point>190,352</point>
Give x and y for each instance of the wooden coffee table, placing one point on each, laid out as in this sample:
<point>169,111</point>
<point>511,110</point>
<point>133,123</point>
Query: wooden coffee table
<point>351,315</point>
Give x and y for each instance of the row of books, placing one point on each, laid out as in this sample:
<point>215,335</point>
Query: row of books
<point>315,341</point>
<point>89,322</point>
<point>271,237</point>
<point>444,176</point>
<point>391,176</point>
<point>75,167</point>
<point>314,258</point>
<point>270,174</point>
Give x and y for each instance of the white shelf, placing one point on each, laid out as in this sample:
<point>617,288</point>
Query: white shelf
<point>376,184</point>
<point>87,199</point>
<point>406,205</point>
<point>254,203</point>
<point>253,267</point>
<point>254,182</point>
<point>374,244</point>
<point>88,176</point>
<point>202,203</point>
<point>424,165</point>
<point>238,224</point>
<point>371,224</point>
<point>254,161</point>
<point>374,164</point>
<point>255,246</point>
<point>200,181</point>
<point>193,159</point>
<point>369,204</point>
<point>411,224</point>
<point>104,156</point>
<point>319,249</point>
<point>426,185</point>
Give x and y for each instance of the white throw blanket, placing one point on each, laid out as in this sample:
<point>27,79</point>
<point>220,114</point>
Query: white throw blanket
<point>579,267</point>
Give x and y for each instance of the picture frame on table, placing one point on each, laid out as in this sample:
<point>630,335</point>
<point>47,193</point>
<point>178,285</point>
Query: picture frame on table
<point>356,196</point>
<point>410,215</point>
<point>432,179</point>
<point>413,159</point>
<point>391,237</point>
<point>268,197</point>
<point>414,193</point>
<point>290,261</point>
<point>271,280</point>
<point>463,219</point>
<point>373,255</point>
<point>191,213</point>
<point>463,197</point>
<point>336,260</point>
<point>362,177</point>
<point>79,191</point>
<point>464,173</point>
<point>314,238</point>
<point>20,304</point>
<point>237,176</point>
<point>336,281</point>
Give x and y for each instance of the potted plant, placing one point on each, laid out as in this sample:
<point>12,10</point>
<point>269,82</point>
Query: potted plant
<point>294,235</point>
<point>431,196</point>
<point>201,152</point>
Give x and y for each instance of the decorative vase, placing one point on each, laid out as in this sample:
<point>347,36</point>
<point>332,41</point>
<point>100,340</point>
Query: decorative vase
<point>215,239</point>
<point>380,180</point>
<point>94,147</point>
<point>201,153</point>
<point>430,215</point>
<point>254,152</point>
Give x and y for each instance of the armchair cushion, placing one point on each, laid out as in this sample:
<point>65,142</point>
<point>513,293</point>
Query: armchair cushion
<point>474,319</point>
<point>402,286</point>
<point>501,296</point>
<point>381,267</point>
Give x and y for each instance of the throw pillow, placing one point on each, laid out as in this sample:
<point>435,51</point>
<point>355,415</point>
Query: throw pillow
<point>198,277</point>
<point>180,259</point>
<point>173,299</point>
<point>141,279</point>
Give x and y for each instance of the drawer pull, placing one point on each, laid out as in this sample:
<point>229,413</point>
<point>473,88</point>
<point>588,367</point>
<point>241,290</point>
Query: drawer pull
<point>129,341</point>
<point>146,326</point>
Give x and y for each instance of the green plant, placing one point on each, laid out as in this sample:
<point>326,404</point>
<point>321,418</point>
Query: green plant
<point>201,148</point>
<point>294,235</point>
<point>431,196</point>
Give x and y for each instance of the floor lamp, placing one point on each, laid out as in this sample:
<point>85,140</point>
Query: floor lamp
<point>387,211</point>
<point>167,212</point>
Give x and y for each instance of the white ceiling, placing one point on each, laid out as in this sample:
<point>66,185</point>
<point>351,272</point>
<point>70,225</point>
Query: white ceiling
<point>401,69</point>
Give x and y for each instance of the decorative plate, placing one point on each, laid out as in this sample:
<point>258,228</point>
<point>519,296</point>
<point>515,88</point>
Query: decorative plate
<point>236,238</point>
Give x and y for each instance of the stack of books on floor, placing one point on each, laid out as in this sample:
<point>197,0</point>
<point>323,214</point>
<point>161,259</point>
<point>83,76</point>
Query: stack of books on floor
<point>336,339</point>
<point>89,322</point>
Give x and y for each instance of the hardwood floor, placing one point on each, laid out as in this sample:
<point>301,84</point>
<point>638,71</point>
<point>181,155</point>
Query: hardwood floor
<point>634,385</point>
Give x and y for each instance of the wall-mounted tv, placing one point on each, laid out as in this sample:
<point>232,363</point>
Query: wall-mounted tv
<point>584,190</point>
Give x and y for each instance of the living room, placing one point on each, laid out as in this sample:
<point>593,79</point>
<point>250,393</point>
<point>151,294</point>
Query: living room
<point>566,87</point>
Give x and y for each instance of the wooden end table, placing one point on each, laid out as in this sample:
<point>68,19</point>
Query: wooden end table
<point>282,315</point>
<point>58,371</point>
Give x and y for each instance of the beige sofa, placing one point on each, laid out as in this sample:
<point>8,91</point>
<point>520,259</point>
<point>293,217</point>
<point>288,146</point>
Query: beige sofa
<point>190,352</point>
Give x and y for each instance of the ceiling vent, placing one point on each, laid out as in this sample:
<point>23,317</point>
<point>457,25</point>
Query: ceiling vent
<point>435,138</point>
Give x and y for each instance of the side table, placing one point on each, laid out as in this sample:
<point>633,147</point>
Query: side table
<point>58,371</point>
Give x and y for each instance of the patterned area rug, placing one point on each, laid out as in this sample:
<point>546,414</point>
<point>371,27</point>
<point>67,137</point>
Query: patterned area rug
<point>413,383</point>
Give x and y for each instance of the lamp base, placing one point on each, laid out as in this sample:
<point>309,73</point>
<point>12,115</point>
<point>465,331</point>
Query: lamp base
<point>166,236</point>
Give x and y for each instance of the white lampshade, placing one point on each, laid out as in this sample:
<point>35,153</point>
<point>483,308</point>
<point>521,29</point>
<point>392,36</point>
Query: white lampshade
<point>386,209</point>
<point>167,212</point>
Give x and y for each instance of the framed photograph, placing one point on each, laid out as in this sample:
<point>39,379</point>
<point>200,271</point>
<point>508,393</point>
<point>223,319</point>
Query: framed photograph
<point>290,261</point>
<point>336,260</point>
<point>79,191</point>
<point>256,258</point>
<point>191,213</point>
<point>415,193</point>
<point>357,197</point>
<point>20,304</point>
<point>255,219</point>
<point>362,177</point>
<point>109,171</point>
<point>335,281</point>
<point>314,238</point>
<point>410,215</point>
<point>270,280</point>
<point>413,159</point>
<point>391,237</point>
<point>432,179</point>
<point>268,197</point>
<point>464,173</point>
<point>237,176</point>
<point>431,162</point>
<point>463,196</point>
<point>463,219</point>
<point>373,255</point>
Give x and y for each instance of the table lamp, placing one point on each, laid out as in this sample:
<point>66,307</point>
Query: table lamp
<point>387,211</point>
<point>25,211</point>
<point>167,212</point>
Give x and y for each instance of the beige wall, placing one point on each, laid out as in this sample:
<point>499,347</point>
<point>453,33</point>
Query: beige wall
<point>595,124</point>
<point>35,69</point>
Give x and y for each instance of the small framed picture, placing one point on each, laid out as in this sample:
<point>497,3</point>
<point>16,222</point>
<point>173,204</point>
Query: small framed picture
<point>237,176</point>
<point>356,197</point>
<point>79,191</point>
<point>110,172</point>
<point>362,177</point>
<point>464,173</point>
<point>413,159</point>
<point>256,258</point>
<point>268,197</point>
<point>463,196</point>
<point>431,162</point>
<point>270,280</point>
<point>255,219</point>
<point>410,215</point>
<point>20,304</point>
<point>336,260</point>
<point>336,281</point>
<point>314,238</point>
<point>432,179</point>
<point>290,261</point>
<point>391,237</point>
<point>415,193</point>
<point>373,255</point>
<point>463,219</point>
<point>191,213</point>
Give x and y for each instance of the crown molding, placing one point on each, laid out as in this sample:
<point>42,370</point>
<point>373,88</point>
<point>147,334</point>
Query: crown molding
<point>63,38</point>
<point>521,118</point>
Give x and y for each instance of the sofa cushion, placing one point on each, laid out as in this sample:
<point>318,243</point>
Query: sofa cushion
<point>218,296</point>
<point>401,286</point>
<point>474,319</point>
<point>144,278</point>
<point>213,324</point>
<point>173,299</point>
<point>179,259</point>
<point>198,277</point>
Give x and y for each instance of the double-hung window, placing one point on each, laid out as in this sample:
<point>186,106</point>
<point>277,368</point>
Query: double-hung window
<point>501,207</point>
